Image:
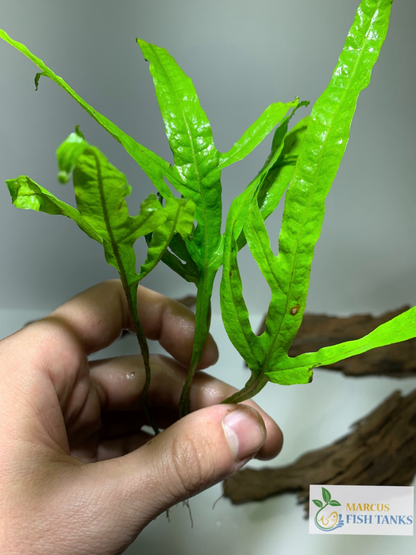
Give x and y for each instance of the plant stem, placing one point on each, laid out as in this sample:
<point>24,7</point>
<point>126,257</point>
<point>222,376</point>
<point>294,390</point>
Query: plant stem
<point>252,387</point>
<point>131,294</point>
<point>202,323</point>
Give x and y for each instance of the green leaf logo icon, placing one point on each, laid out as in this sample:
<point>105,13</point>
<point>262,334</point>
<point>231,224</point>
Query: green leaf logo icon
<point>326,495</point>
<point>327,520</point>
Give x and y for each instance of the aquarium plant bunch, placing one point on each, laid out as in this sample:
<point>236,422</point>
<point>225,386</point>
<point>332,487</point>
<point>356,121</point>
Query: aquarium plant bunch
<point>183,228</point>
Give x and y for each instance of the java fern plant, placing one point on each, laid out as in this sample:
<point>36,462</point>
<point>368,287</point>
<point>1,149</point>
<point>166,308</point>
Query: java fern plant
<point>302,165</point>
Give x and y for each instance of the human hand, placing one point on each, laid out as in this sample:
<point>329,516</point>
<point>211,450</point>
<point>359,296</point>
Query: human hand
<point>78,475</point>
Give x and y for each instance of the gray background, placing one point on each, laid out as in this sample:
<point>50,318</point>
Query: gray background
<point>242,56</point>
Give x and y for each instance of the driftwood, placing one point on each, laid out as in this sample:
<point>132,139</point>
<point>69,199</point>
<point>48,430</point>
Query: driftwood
<point>318,330</point>
<point>380,450</point>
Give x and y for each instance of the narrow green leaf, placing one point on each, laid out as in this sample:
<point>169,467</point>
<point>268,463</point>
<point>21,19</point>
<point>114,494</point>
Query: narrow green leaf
<point>318,161</point>
<point>255,133</point>
<point>154,166</point>
<point>334,503</point>
<point>233,307</point>
<point>179,219</point>
<point>234,311</point>
<point>318,503</point>
<point>259,244</point>
<point>278,178</point>
<point>190,137</point>
<point>240,205</point>
<point>400,328</point>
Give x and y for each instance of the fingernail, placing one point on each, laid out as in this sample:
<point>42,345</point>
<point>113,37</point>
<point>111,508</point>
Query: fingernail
<point>245,432</point>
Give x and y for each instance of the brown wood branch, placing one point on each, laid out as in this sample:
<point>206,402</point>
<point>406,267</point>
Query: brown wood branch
<point>381,449</point>
<point>319,330</point>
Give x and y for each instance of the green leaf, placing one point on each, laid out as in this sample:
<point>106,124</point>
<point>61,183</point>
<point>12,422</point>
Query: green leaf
<point>255,133</point>
<point>102,213</point>
<point>278,169</point>
<point>326,496</point>
<point>28,195</point>
<point>241,204</point>
<point>259,243</point>
<point>233,307</point>
<point>185,217</point>
<point>279,176</point>
<point>400,328</point>
<point>318,503</point>
<point>154,166</point>
<point>100,192</point>
<point>290,376</point>
<point>190,138</point>
<point>334,503</point>
<point>149,218</point>
<point>318,161</point>
<point>179,219</point>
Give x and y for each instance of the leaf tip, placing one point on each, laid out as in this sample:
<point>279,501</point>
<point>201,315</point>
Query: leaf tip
<point>79,132</point>
<point>63,177</point>
<point>37,78</point>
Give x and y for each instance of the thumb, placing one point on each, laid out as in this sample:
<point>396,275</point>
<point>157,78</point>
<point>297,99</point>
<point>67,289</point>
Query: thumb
<point>195,453</point>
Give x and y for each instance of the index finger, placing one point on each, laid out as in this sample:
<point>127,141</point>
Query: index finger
<point>99,314</point>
